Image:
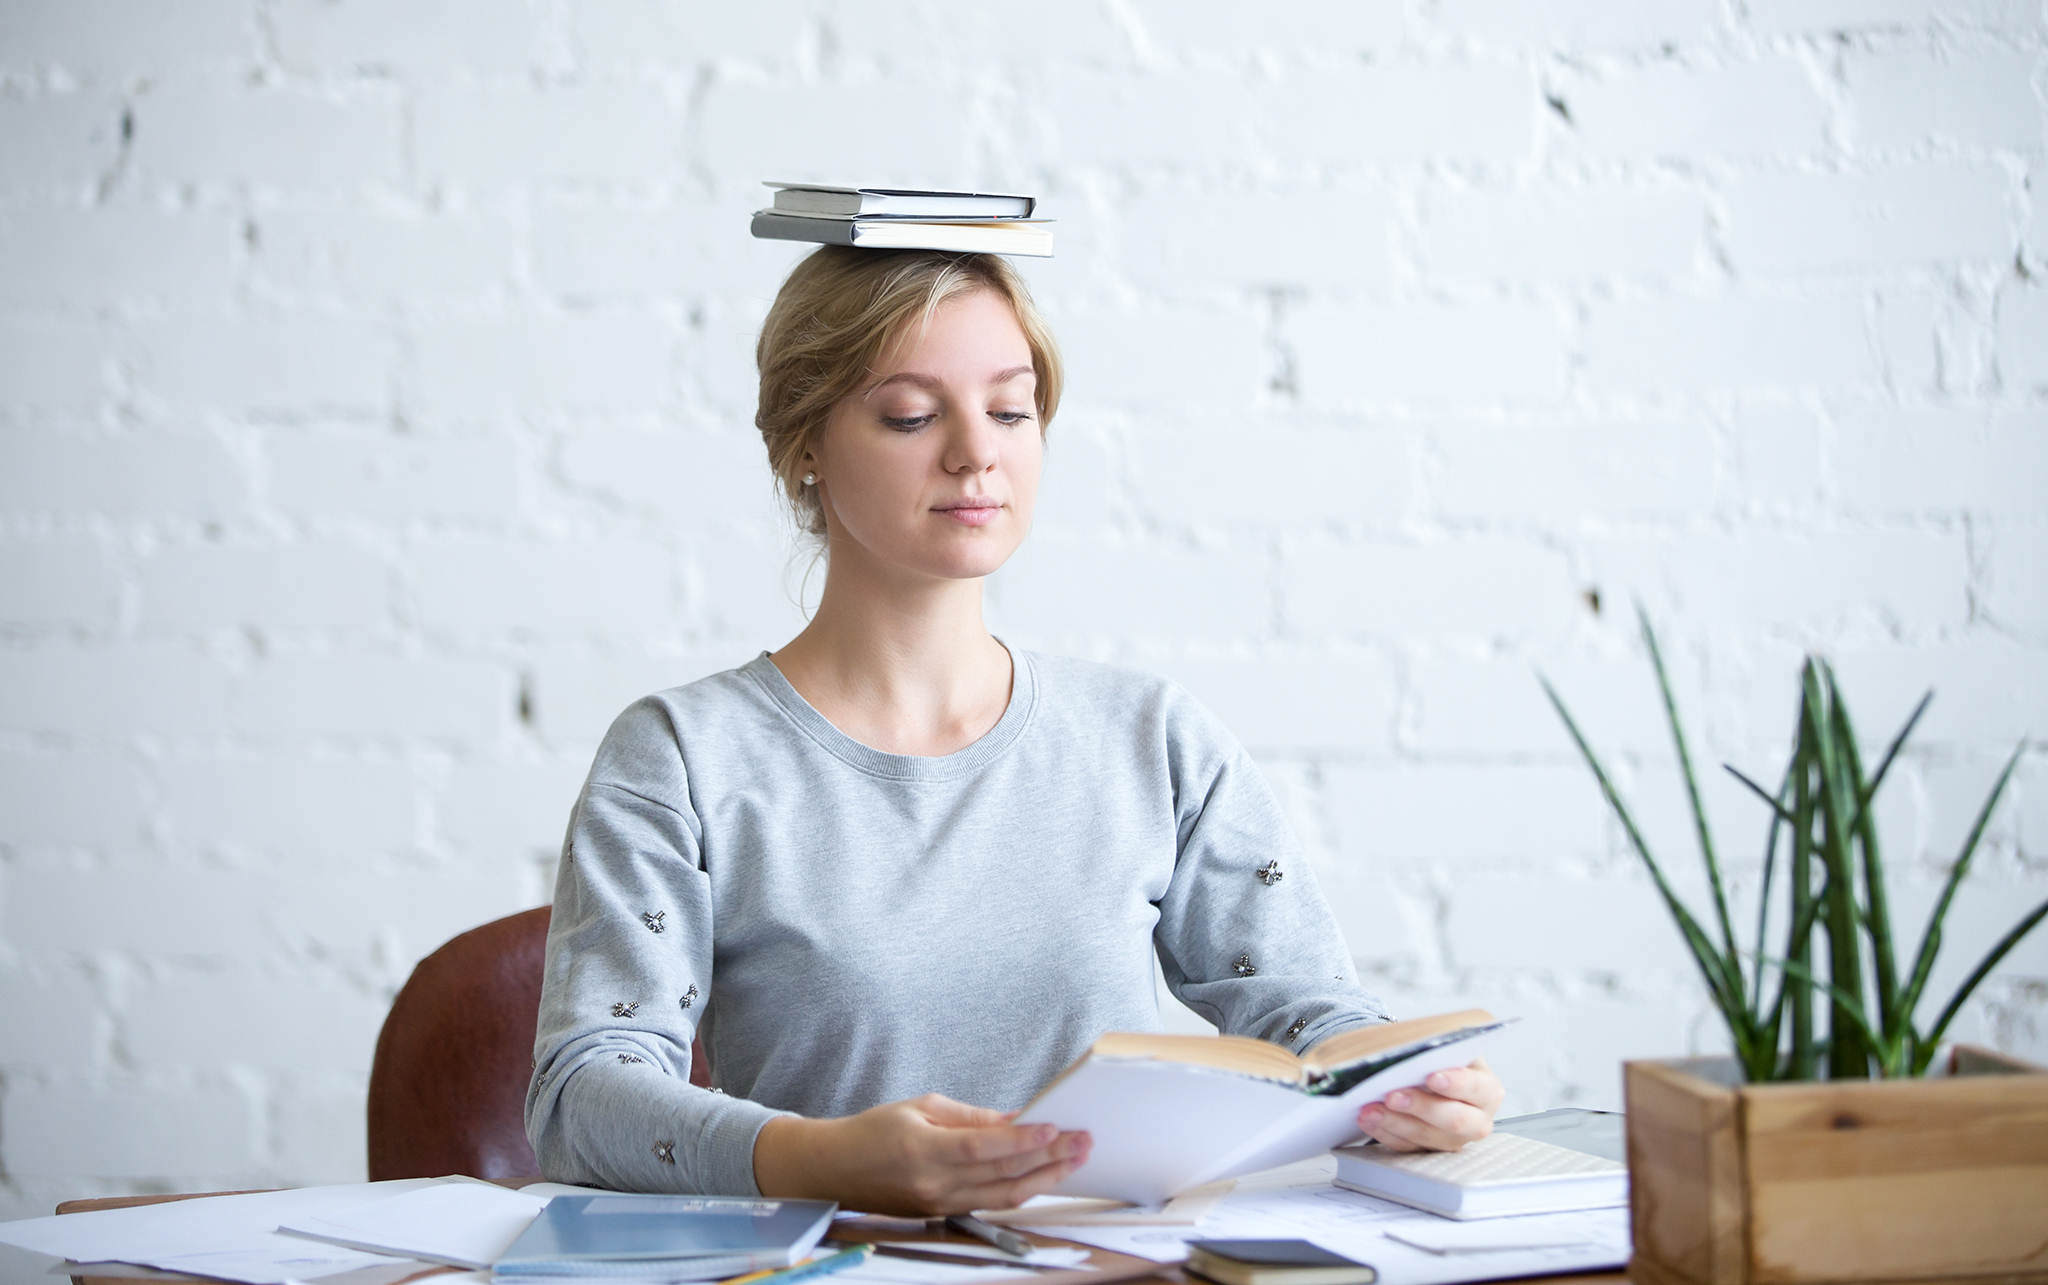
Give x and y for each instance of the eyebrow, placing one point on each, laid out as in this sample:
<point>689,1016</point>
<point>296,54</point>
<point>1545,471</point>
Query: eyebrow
<point>927,382</point>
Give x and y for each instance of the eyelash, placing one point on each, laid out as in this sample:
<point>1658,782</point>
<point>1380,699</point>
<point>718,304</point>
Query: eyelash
<point>910,424</point>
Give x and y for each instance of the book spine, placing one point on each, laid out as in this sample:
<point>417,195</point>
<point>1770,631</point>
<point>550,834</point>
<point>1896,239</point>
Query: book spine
<point>770,226</point>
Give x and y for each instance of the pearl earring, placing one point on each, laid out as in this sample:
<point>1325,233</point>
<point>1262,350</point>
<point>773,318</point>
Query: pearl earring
<point>810,479</point>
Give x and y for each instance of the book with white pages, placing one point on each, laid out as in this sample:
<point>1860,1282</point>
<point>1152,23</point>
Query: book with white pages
<point>1031,238</point>
<point>1502,1174</point>
<point>1169,1113</point>
<point>896,202</point>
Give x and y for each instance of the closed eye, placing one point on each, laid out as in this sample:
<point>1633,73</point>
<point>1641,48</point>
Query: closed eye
<point>1009,416</point>
<point>908,423</point>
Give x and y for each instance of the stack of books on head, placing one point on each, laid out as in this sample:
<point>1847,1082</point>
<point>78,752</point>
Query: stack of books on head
<point>880,218</point>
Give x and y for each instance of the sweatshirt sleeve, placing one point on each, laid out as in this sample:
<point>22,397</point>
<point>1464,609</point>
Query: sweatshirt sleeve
<point>1245,938</point>
<point>629,974</point>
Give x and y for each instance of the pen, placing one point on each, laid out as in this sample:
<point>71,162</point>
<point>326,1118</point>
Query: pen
<point>819,1266</point>
<point>1007,1241</point>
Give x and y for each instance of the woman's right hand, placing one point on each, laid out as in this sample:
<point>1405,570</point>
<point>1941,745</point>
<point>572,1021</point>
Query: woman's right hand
<point>928,1155</point>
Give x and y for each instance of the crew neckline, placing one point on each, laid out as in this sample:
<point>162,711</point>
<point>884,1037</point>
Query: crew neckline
<point>906,767</point>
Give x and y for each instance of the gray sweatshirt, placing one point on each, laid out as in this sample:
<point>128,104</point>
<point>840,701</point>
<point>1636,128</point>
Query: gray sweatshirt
<point>847,927</point>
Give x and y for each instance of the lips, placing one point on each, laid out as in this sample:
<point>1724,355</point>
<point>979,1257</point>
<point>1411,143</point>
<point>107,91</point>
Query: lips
<point>976,510</point>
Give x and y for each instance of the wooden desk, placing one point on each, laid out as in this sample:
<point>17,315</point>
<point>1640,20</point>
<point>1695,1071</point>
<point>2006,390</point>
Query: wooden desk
<point>1109,1266</point>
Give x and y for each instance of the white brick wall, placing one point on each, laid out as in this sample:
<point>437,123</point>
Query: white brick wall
<point>375,395</point>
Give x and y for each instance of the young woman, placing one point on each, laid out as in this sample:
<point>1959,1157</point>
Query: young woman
<point>898,875</point>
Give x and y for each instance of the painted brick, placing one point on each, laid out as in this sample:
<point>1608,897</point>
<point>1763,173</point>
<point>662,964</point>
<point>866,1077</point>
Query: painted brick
<point>1263,475</point>
<point>381,697</point>
<point>1327,28</point>
<point>1180,356</point>
<point>136,1133</point>
<point>743,586</point>
<point>1666,112</point>
<point>1165,119</point>
<point>127,475</point>
<point>1344,245</point>
<point>114,691</point>
<point>797,132</point>
<point>1400,115</point>
<point>394,477</point>
<point>323,903</point>
<point>1929,460</point>
<point>272,137</point>
<point>309,586</point>
<point>1297,702</point>
<point>65,139</point>
<point>1988,691</point>
<point>1612,925</point>
<point>1966,99</point>
<point>271,365</point>
<point>584,363</point>
<point>51,1023</point>
<point>298,808</point>
<point>1908,334</point>
<point>50,364</point>
<point>502,811</point>
<point>385,256</point>
<point>2023,340</point>
<point>1866,15</point>
<point>667,33</point>
<point>1404,817</point>
<point>1781,223</point>
<point>1477,589</point>
<point>2018,594</point>
<point>63,582</point>
<point>1497,706</point>
<point>124,35</point>
<point>417,37</point>
<point>63,258</point>
<point>1083,488</point>
<point>1813,581</point>
<point>576,695</point>
<point>1425,352</point>
<point>690,477</point>
<point>612,585</point>
<point>1587,472</point>
<point>1599,1034</point>
<point>587,249</point>
<point>190,1022</point>
<point>572,134</point>
<point>1563,235</point>
<point>1073,591</point>
<point>63,800</point>
<point>1576,24</point>
<point>1777,458</point>
<point>318,1132</point>
<point>1673,345</point>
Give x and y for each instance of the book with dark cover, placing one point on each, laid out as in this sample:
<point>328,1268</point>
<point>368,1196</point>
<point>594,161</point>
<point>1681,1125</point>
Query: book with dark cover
<point>1274,1262</point>
<point>895,202</point>
<point>1029,237</point>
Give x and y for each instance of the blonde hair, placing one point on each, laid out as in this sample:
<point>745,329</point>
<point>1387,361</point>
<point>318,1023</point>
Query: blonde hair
<point>833,319</point>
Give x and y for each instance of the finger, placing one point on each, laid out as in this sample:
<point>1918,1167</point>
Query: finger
<point>987,1159</point>
<point>1437,1124</point>
<point>1012,1192</point>
<point>1476,1084</point>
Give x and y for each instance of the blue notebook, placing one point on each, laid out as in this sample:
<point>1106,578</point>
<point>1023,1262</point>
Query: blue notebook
<point>664,1238</point>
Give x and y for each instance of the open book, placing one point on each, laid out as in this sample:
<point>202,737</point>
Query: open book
<point>1170,1112</point>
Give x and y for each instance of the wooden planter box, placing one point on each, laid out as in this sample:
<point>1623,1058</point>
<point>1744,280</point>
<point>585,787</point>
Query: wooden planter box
<point>1942,1179</point>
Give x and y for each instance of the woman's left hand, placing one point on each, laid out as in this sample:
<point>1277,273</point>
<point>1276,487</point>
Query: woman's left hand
<point>1453,1107</point>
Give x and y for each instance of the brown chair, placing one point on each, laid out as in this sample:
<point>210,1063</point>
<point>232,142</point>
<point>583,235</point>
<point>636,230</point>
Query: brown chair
<point>448,1082</point>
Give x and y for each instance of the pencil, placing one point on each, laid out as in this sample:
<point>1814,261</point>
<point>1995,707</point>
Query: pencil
<point>816,1267</point>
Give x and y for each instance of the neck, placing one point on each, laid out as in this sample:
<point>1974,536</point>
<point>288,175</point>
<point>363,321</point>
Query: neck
<point>902,664</point>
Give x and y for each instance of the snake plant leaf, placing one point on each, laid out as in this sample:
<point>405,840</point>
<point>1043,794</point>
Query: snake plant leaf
<point>1930,941</point>
<point>1692,786</point>
<point>1977,975</point>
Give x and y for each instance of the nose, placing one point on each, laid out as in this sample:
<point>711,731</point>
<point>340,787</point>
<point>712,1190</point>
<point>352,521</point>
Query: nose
<point>971,447</point>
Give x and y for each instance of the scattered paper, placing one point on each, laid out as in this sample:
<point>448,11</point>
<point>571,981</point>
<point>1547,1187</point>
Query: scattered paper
<point>462,1224</point>
<point>1301,1201</point>
<point>883,1269</point>
<point>1040,1255</point>
<point>1186,1209</point>
<point>1534,1231</point>
<point>231,1237</point>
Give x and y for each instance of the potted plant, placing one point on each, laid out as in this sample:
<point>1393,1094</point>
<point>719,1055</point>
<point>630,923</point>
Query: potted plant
<point>1832,1146</point>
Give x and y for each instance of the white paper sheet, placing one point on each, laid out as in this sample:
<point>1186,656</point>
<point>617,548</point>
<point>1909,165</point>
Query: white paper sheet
<point>231,1237</point>
<point>462,1224</point>
<point>1041,1256</point>
<point>882,1269</point>
<point>1300,1201</point>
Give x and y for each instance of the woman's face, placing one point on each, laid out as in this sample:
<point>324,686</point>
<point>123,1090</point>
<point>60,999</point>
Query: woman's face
<point>932,466</point>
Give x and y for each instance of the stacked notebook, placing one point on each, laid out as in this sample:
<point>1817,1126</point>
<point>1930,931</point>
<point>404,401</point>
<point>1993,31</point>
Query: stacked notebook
<point>880,218</point>
<point>663,1238</point>
<point>1548,1163</point>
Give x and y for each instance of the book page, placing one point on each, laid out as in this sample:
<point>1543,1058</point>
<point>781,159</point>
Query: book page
<point>1379,1041</point>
